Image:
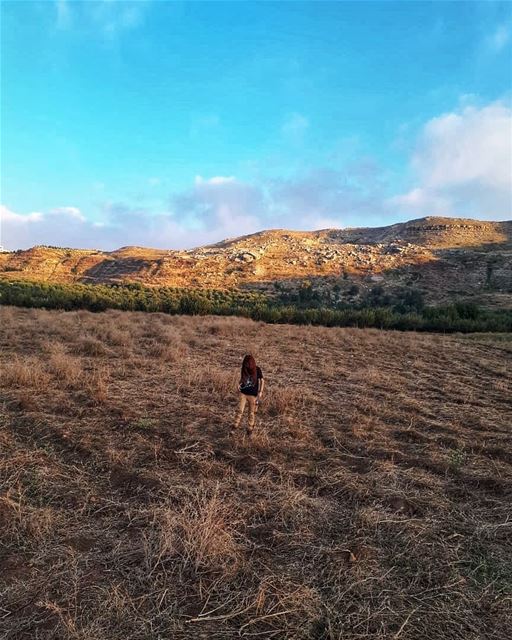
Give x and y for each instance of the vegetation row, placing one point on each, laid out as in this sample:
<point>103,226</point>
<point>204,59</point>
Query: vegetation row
<point>407,314</point>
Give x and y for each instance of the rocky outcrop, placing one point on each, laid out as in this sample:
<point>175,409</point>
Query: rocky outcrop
<point>444,256</point>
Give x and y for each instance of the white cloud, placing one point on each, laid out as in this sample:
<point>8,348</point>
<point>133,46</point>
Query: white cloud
<point>72,212</point>
<point>321,197</point>
<point>212,209</point>
<point>221,205</point>
<point>108,17</point>
<point>63,14</point>
<point>474,144</point>
<point>500,38</point>
<point>421,202</point>
<point>63,226</point>
<point>6,215</point>
<point>463,165</point>
<point>320,222</point>
<point>215,180</point>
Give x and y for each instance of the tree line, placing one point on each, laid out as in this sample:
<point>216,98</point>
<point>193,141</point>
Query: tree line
<point>457,317</point>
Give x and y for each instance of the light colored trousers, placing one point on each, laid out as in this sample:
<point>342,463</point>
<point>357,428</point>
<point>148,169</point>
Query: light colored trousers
<point>251,401</point>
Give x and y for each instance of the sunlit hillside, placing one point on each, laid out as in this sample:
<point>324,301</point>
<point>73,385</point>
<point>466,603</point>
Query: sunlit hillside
<point>446,259</point>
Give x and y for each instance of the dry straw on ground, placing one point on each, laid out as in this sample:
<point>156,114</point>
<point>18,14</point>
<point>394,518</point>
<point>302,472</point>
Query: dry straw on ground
<point>373,501</point>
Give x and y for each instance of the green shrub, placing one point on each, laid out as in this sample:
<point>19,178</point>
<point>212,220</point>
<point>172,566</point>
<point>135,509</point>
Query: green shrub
<point>461,317</point>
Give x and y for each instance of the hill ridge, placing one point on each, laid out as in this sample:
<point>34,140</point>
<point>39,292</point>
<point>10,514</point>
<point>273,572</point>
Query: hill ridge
<point>445,257</point>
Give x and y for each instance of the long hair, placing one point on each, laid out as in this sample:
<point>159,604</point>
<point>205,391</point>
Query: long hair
<point>249,369</point>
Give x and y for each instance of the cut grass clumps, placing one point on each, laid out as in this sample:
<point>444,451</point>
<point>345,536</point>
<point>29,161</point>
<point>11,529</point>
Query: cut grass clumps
<point>67,369</point>
<point>90,346</point>
<point>24,372</point>
<point>371,501</point>
<point>202,535</point>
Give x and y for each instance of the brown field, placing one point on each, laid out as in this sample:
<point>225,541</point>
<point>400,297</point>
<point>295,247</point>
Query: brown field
<point>373,501</point>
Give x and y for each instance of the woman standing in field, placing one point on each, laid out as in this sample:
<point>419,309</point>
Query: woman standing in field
<point>251,391</point>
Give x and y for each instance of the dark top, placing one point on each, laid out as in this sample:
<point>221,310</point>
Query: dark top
<point>251,389</point>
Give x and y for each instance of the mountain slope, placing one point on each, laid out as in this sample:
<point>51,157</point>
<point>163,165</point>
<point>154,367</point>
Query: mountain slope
<point>445,257</point>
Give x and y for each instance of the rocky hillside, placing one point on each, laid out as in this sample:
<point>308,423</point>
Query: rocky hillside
<point>445,258</point>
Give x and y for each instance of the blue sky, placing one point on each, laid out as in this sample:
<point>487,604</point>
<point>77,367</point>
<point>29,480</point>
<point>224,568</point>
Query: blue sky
<point>174,124</point>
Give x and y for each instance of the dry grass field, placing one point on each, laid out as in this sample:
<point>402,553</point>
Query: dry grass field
<point>373,501</point>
